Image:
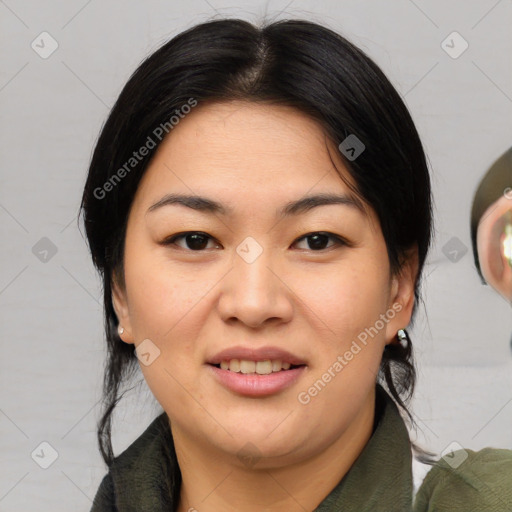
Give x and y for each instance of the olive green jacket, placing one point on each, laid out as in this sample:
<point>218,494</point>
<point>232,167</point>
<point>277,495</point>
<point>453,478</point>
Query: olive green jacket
<point>142,478</point>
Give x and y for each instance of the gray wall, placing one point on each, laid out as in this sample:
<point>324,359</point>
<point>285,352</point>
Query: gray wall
<point>51,322</point>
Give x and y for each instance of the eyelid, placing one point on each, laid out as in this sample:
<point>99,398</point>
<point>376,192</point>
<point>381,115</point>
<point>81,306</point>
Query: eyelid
<point>339,240</point>
<point>170,240</point>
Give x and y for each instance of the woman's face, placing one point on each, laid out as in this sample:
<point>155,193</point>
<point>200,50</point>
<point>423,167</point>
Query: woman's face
<point>247,282</point>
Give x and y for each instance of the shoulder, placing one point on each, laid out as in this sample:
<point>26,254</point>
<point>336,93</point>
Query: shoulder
<point>124,475</point>
<point>466,480</point>
<point>104,501</point>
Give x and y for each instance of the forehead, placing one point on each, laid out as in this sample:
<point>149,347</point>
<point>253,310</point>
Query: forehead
<point>278,127</point>
<point>245,151</point>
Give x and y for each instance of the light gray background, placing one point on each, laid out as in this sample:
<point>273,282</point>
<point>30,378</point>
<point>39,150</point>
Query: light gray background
<point>51,319</point>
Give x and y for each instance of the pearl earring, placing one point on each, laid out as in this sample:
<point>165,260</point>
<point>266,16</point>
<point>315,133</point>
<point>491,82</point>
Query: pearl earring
<point>120,330</point>
<point>402,337</point>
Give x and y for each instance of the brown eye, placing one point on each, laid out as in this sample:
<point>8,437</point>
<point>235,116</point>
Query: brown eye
<point>194,240</point>
<point>317,241</point>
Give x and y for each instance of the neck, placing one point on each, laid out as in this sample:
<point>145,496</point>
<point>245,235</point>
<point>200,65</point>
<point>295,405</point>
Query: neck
<point>213,481</point>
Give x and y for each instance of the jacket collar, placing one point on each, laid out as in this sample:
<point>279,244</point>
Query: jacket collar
<point>380,479</point>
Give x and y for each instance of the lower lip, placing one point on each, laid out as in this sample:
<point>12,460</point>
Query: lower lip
<point>257,385</point>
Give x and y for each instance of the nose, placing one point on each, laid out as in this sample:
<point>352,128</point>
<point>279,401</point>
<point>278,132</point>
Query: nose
<point>254,292</point>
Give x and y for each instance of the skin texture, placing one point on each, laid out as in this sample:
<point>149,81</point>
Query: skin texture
<point>489,237</point>
<point>311,301</point>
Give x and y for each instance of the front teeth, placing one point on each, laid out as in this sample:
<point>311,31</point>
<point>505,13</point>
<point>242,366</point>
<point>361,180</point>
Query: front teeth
<point>260,367</point>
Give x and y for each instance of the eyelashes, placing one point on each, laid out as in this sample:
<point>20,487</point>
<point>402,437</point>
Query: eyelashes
<point>195,236</point>
<point>319,236</point>
<point>199,240</point>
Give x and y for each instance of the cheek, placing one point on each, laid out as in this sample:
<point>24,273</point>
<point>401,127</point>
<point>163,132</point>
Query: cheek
<point>162,294</point>
<point>166,307</point>
<point>349,303</point>
<point>347,298</point>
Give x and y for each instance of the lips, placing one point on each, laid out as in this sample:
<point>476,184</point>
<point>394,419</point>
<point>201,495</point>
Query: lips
<point>256,373</point>
<point>256,355</point>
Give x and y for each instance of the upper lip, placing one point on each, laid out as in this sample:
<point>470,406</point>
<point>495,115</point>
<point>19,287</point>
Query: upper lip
<point>255,354</point>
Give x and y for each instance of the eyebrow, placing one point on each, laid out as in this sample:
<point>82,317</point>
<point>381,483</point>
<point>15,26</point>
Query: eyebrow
<point>300,206</point>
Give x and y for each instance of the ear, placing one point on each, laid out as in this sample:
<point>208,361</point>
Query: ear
<point>401,297</point>
<point>120,303</point>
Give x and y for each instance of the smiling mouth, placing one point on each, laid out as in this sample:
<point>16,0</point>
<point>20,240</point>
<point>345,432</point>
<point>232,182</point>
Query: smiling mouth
<point>264,367</point>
